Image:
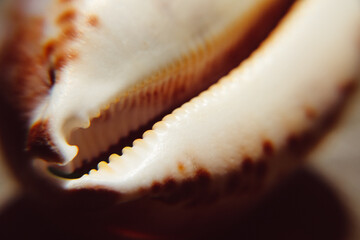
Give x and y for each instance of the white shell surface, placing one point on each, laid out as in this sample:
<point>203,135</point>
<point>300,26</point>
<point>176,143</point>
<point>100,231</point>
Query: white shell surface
<point>127,46</point>
<point>303,64</point>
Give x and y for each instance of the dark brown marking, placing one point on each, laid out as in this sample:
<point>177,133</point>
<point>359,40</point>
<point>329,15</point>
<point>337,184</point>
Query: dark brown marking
<point>60,62</point>
<point>49,48</point>
<point>155,187</point>
<point>203,176</point>
<point>93,20</point>
<point>67,17</point>
<point>156,93</point>
<point>148,96</point>
<point>247,164</point>
<point>261,168</point>
<point>268,147</point>
<point>348,87</point>
<point>310,112</point>
<point>39,142</point>
<point>292,141</point>
<point>169,184</point>
<point>52,75</point>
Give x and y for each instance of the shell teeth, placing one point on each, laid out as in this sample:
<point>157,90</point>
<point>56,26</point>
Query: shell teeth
<point>168,117</point>
<point>148,134</point>
<point>114,157</point>
<point>128,113</point>
<point>159,126</point>
<point>104,167</point>
<point>137,142</point>
<point>126,150</point>
<point>102,164</point>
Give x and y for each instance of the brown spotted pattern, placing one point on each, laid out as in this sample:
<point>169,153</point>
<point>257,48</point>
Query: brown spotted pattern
<point>29,69</point>
<point>253,175</point>
<point>23,67</point>
<point>268,147</point>
<point>66,17</point>
<point>310,112</point>
<point>93,20</point>
<point>57,49</point>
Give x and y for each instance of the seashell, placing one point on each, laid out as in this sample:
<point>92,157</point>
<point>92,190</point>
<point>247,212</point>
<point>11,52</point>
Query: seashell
<point>104,70</point>
<point>184,56</point>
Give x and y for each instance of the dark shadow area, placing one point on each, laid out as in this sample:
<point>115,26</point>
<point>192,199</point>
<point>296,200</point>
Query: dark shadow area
<point>302,207</point>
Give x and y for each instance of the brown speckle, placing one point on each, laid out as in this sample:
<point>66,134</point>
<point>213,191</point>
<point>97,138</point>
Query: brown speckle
<point>49,48</point>
<point>60,62</point>
<point>156,93</point>
<point>66,17</point>
<point>93,21</point>
<point>268,147</point>
<point>65,1</point>
<point>181,167</point>
<point>310,112</point>
<point>292,141</point>
<point>348,87</point>
<point>71,32</point>
<point>148,96</point>
<point>23,66</point>
<point>52,76</point>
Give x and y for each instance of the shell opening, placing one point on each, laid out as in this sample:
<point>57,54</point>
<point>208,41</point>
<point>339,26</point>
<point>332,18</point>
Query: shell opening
<point>130,114</point>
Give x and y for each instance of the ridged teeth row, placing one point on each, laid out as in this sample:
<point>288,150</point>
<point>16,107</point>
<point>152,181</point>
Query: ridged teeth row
<point>136,107</point>
<point>130,156</point>
<point>117,164</point>
<point>166,89</point>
